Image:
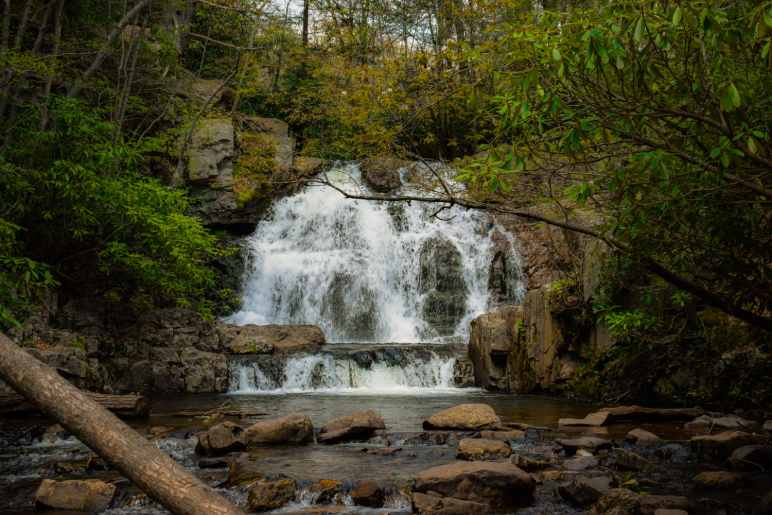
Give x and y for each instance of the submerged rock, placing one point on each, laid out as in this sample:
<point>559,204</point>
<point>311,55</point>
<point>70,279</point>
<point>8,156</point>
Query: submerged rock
<point>464,417</point>
<point>584,491</point>
<point>357,426</point>
<point>504,436</point>
<point>368,493</point>
<point>270,494</point>
<point>500,486</point>
<point>90,495</point>
<point>243,470</point>
<point>473,449</point>
<point>752,457</point>
<point>642,437</point>
<point>292,429</point>
<point>571,445</point>
<point>709,423</point>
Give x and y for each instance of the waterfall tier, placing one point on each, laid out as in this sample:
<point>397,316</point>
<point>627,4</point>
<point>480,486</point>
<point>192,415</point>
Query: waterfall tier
<point>371,271</point>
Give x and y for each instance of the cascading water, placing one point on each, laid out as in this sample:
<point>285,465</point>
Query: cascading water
<point>370,272</point>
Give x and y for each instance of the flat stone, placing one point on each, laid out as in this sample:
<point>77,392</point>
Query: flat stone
<point>584,491</point>
<point>91,495</point>
<point>592,420</point>
<point>504,436</point>
<point>641,414</point>
<point>464,417</point>
<point>357,426</point>
<point>710,423</point>
<point>267,494</point>
<point>482,449</point>
<point>529,464</point>
<point>571,445</point>
<point>436,505</point>
<point>292,429</point>
<point>267,339</point>
<point>722,445</point>
<point>752,457</point>
<point>719,479</point>
<point>501,486</point>
<point>642,437</point>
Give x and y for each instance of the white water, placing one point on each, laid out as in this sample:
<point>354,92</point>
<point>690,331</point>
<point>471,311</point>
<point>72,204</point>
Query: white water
<point>352,268</point>
<point>324,373</point>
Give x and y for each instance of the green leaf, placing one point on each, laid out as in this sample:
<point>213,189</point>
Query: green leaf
<point>752,145</point>
<point>768,18</point>
<point>731,99</point>
<point>677,15</point>
<point>638,34</point>
<point>556,54</point>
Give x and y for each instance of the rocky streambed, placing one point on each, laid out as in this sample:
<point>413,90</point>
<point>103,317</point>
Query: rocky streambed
<point>472,452</point>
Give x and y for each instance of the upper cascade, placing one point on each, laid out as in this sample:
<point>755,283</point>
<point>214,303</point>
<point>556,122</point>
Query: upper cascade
<point>368,271</point>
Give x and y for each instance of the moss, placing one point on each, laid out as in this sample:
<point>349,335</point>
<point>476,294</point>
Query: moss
<point>254,170</point>
<point>79,343</point>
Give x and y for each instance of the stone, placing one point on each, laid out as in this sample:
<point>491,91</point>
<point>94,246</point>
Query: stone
<point>634,413</point>
<point>357,426</point>
<point>592,420</point>
<point>501,486</point>
<point>211,153</point>
<point>441,283</point>
<point>267,339</point>
<point>529,464</point>
<point>649,504</point>
<point>326,490</point>
<point>504,436</point>
<point>464,417</point>
<point>580,463</point>
<point>292,429</point>
<point>584,491</point>
<point>752,457</point>
<point>473,449</point>
<point>710,423</point>
<point>617,501</point>
<point>221,439</point>
<point>642,437</point>
<point>492,337</point>
<point>436,505</point>
<point>368,493</point>
<point>622,459</point>
<point>89,495</point>
<point>304,166</point>
<point>593,443</point>
<point>382,173</point>
<point>243,470</point>
<point>722,445</point>
<point>719,479</point>
<point>270,494</point>
<point>203,372</point>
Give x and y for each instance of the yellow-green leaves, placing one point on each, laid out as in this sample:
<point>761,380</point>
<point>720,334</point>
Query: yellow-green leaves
<point>639,33</point>
<point>731,99</point>
<point>677,15</point>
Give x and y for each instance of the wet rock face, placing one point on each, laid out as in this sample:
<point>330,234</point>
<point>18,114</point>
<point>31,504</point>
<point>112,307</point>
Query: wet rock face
<point>90,495</point>
<point>382,173</point>
<point>464,417</point>
<point>292,429</point>
<point>357,426</point>
<point>498,486</point>
<point>492,338</point>
<point>441,281</point>
<point>350,312</point>
<point>368,493</point>
<point>268,339</point>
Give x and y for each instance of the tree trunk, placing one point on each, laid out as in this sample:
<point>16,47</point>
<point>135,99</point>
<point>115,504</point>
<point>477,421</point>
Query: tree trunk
<point>150,469</point>
<point>305,22</point>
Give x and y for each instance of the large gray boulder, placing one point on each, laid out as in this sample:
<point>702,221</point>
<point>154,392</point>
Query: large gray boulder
<point>382,174</point>
<point>492,338</point>
<point>357,426</point>
<point>464,417</point>
<point>292,429</point>
<point>441,282</point>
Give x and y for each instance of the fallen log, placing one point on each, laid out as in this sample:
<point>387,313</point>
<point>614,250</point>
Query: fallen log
<point>151,470</point>
<point>124,406</point>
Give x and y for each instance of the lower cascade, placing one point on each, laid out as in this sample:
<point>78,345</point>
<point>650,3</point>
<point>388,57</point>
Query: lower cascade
<point>389,369</point>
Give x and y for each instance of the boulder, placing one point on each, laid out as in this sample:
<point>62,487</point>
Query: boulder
<point>325,491</point>
<point>500,486</point>
<point>437,505</point>
<point>719,480</point>
<point>221,439</point>
<point>473,449</point>
<point>585,491</point>
<point>243,470</point>
<point>642,437</point>
<point>463,373</point>
<point>592,443</point>
<point>529,464</point>
<point>617,501</point>
<point>292,429</point>
<point>752,457</point>
<point>304,166</point>
<point>622,414</point>
<point>382,173</point>
<point>592,420</point>
<point>722,445</point>
<point>580,463</point>
<point>211,153</point>
<point>464,417</point>
<point>270,494</point>
<point>504,436</point>
<point>441,283</point>
<point>267,339</point>
<point>705,423</point>
<point>357,426</point>
<point>368,493</point>
<point>492,337</point>
<point>622,459</point>
<point>90,495</point>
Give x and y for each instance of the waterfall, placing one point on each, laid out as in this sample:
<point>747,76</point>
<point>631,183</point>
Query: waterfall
<point>329,373</point>
<point>368,271</point>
